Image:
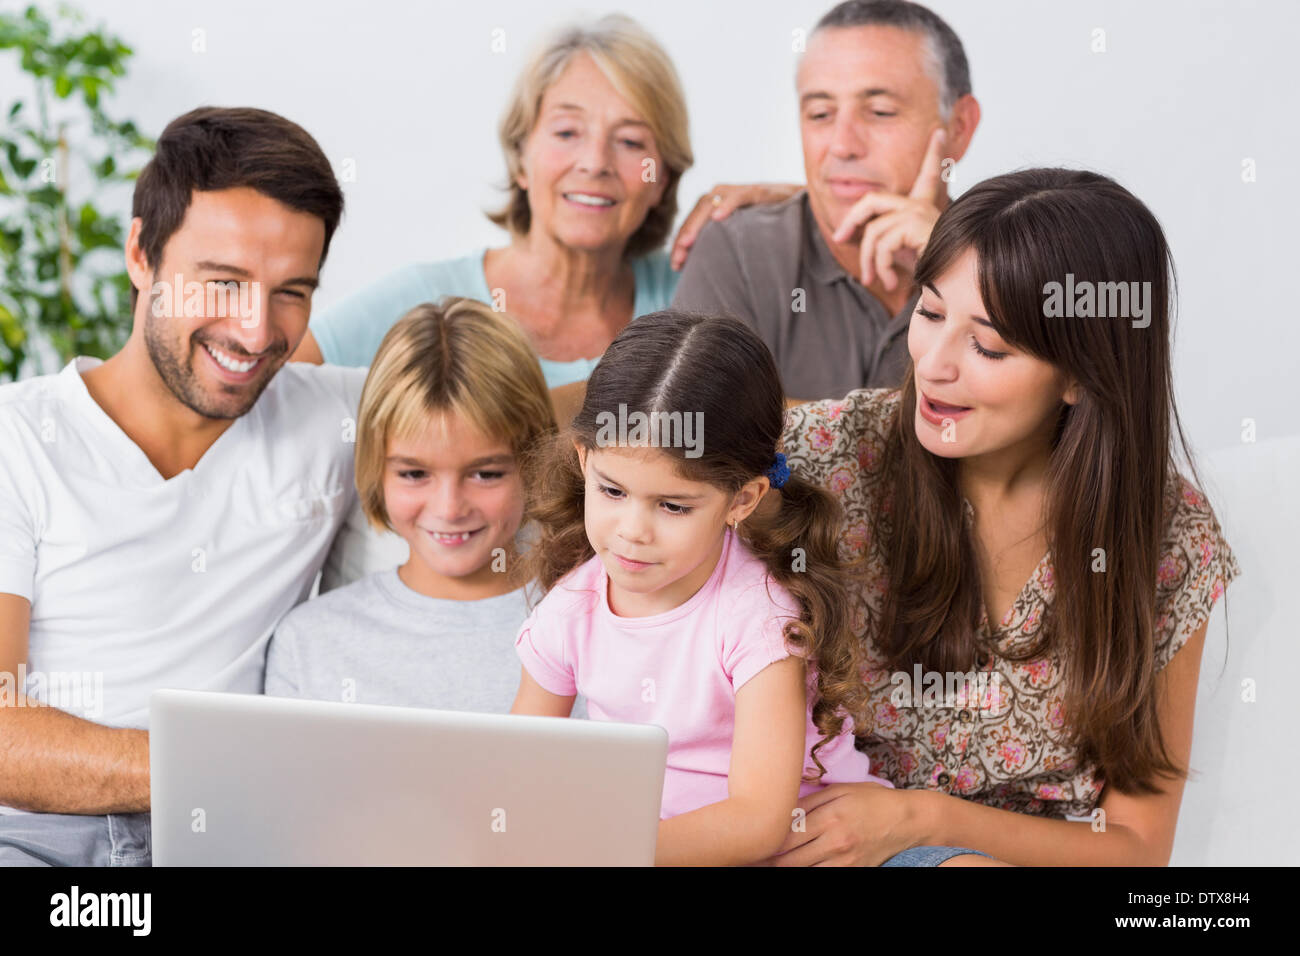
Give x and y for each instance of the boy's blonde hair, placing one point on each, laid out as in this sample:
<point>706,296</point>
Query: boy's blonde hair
<point>457,357</point>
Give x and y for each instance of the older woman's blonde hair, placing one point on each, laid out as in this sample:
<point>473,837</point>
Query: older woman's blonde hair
<point>642,73</point>
<point>455,357</point>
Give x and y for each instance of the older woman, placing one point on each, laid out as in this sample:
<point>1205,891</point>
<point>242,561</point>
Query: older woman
<point>595,140</point>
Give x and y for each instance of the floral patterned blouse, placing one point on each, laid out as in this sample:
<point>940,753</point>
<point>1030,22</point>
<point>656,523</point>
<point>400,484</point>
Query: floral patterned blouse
<point>991,740</point>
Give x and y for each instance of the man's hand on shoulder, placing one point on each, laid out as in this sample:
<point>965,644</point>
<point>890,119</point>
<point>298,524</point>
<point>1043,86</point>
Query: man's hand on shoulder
<point>719,203</point>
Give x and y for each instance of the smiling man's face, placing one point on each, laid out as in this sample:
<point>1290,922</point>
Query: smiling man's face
<point>868,103</point>
<point>247,266</point>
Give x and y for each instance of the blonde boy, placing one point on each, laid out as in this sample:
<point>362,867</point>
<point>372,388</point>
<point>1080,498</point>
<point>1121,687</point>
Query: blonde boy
<point>454,402</point>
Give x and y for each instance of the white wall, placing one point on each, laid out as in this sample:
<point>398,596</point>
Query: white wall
<point>1184,92</point>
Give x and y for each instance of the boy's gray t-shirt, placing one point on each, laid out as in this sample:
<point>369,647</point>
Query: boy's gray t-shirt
<point>376,641</point>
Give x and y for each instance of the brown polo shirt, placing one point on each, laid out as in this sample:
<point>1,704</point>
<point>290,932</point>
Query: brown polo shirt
<point>770,267</point>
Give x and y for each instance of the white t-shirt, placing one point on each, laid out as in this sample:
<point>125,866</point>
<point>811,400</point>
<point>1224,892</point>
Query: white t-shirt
<point>137,583</point>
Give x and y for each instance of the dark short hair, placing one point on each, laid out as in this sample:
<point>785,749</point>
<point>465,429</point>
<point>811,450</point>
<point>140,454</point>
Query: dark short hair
<point>212,148</point>
<point>954,82</point>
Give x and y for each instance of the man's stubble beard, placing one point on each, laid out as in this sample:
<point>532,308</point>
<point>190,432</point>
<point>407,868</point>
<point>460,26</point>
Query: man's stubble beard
<point>178,374</point>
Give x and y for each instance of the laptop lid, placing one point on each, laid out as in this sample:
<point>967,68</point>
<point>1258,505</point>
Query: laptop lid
<point>242,779</point>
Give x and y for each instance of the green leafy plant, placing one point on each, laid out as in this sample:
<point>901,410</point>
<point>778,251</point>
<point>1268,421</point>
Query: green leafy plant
<point>59,151</point>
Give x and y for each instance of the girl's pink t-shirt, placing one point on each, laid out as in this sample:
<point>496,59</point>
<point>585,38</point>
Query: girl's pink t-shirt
<point>679,669</point>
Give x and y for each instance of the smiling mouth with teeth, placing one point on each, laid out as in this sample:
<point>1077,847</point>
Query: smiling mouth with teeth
<point>454,538</point>
<point>229,362</point>
<point>588,200</point>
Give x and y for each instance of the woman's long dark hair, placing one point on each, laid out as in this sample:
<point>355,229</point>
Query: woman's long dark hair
<point>1112,458</point>
<point>674,362</point>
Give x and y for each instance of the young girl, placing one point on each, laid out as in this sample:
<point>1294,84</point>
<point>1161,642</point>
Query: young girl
<point>663,609</point>
<point>452,405</point>
<point>1020,516</point>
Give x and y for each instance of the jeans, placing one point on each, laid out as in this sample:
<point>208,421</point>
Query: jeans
<point>927,856</point>
<point>71,839</point>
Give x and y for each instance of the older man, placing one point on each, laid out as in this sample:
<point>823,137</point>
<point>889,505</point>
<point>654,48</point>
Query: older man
<point>161,510</point>
<point>824,277</point>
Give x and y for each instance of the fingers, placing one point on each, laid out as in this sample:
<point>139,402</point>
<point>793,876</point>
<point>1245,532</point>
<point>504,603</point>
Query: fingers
<point>823,796</point>
<point>887,247</point>
<point>801,836</point>
<point>719,203</point>
<point>821,850</point>
<point>929,185</point>
<point>822,841</point>
<point>864,210</point>
<point>892,243</point>
<point>690,229</point>
<point>793,841</point>
<point>806,855</point>
<point>928,188</point>
<point>867,259</point>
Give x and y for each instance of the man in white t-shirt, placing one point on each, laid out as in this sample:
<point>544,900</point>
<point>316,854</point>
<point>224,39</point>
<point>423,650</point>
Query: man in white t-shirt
<point>161,510</point>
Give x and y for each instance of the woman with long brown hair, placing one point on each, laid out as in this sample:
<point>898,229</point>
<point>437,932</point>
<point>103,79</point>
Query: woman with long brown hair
<point>1030,556</point>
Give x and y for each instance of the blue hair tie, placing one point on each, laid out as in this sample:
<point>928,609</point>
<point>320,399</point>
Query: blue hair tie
<point>778,474</point>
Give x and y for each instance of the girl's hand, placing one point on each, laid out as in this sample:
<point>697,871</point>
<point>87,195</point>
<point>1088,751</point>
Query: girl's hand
<point>853,824</point>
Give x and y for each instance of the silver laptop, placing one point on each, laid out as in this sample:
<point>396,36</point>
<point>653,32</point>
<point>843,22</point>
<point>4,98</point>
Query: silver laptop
<point>246,780</point>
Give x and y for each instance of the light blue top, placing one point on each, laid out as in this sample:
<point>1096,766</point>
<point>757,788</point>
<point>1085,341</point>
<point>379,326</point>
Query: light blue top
<point>349,332</point>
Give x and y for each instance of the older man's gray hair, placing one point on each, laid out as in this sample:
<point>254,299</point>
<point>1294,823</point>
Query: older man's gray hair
<point>945,52</point>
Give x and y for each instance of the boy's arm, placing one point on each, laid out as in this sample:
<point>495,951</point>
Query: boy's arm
<point>767,756</point>
<point>536,700</point>
<point>51,761</point>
